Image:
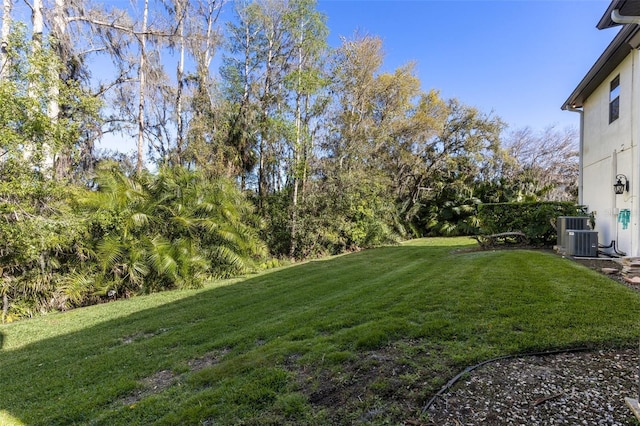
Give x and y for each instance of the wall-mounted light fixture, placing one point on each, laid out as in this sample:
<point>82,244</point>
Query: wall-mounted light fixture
<point>619,187</point>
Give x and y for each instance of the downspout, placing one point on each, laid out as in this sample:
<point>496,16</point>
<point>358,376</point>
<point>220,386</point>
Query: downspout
<point>580,154</point>
<point>634,172</point>
<point>614,204</point>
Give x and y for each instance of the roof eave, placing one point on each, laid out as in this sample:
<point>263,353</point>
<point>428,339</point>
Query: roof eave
<point>606,21</point>
<point>612,56</point>
<point>624,7</point>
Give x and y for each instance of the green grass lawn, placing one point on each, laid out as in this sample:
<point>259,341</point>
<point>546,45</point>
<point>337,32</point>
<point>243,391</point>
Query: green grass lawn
<point>363,338</point>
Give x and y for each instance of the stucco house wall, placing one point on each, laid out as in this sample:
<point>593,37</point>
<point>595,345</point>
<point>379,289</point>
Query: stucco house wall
<point>610,149</point>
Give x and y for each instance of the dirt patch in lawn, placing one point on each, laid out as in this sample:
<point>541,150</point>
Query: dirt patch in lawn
<point>162,380</point>
<point>385,386</point>
<point>151,385</point>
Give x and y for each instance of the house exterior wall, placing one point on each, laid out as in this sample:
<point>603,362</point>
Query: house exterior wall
<point>610,149</point>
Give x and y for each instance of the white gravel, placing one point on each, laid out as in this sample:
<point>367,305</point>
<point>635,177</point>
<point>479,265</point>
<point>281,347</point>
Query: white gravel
<point>583,388</point>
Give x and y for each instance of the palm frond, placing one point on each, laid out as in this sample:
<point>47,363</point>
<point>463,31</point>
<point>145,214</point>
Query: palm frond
<point>110,251</point>
<point>75,286</point>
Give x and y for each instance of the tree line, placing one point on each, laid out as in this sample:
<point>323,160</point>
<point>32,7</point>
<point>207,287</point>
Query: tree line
<point>251,140</point>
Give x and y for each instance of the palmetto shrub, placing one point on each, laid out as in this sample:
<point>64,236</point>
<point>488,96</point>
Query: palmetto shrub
<point>171,229</point>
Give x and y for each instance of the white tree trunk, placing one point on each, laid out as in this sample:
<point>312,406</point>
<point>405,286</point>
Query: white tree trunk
<point>141,76</point>
<point>4,41</point>
<point>58,30</point>
<point>35,91</point>
<point>297,147</point>
<point>37,22</point>
<point>181,15</point>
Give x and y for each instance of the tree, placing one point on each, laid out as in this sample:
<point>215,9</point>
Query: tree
<point>309,32</point>
<point>204,144</point>
<point>427,152</point>
<point>546,164</point>
<point>142,72</point>
<point>62,39</point>
<point>255,73</point>
<point>181,13</point>
<point>356,62</point>
<point>348,205</point>
<point>464,154</point>
<point>130,44</point>
<point>407,123</point>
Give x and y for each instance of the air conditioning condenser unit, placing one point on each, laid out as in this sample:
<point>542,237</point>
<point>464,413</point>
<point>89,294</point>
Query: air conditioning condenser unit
<point>581,243</point>
<point>565,223</point>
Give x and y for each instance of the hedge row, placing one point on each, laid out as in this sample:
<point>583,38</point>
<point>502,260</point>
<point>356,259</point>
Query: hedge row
<point>534,219</point>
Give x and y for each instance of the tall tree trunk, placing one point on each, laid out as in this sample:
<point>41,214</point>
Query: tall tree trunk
<point>181,12</point>
<point>297,148</point>
<point>245,94</point>
<point>264,128</point>
<point>62,163</point>
<point>142,88</point>
<point>4,41</point>
<point>307,148</point>
<point>57,33</point>
<point>37,22</point>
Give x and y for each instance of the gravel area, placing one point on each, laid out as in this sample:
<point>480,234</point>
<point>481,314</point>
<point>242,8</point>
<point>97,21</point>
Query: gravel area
<point>581,388</point>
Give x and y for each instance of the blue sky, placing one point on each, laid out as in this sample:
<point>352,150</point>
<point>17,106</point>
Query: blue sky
<point>520,59</point>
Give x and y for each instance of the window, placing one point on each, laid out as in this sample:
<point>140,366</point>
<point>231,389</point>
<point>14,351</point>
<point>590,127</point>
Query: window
<point>614,99</point>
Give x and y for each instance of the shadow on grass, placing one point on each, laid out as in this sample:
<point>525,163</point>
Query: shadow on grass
<point>104,372</point>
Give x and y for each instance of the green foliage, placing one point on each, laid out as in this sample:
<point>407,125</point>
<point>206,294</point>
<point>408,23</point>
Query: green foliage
<point>451,212</point>
<point>534,219</point>
<point>522,188</point>
<point>30,129</point>
<point>42,236</point>
<point>277,230</point>
<point>173,229</point>
<point>348,212</point>
<point>130,235</point>
<point>42,241</point>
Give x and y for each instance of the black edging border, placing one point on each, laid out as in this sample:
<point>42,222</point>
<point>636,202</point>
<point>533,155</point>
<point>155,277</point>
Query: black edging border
<point>469,369</point>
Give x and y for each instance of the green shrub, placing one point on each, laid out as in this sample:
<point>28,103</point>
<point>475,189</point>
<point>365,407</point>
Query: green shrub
<point>172,229</point>
<point>534,219</point>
